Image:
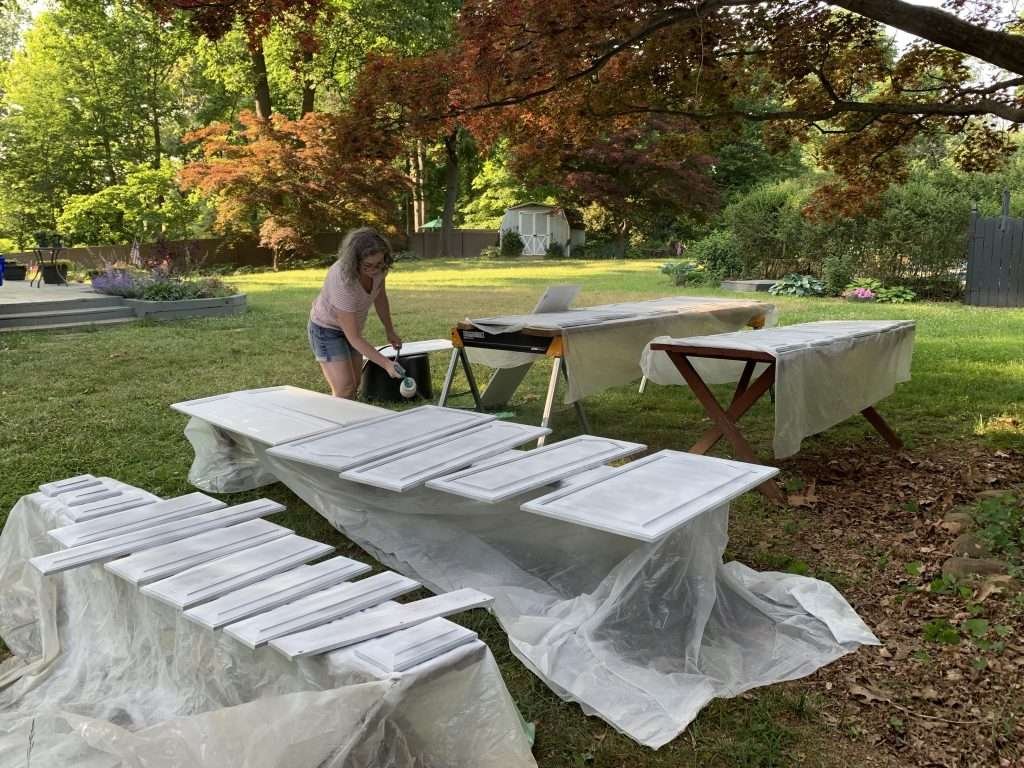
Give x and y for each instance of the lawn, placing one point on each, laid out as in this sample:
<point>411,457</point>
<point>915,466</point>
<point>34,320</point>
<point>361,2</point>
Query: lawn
<point>97,402</point>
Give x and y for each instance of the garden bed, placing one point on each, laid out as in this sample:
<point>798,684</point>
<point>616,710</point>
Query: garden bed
<point>180,308</point>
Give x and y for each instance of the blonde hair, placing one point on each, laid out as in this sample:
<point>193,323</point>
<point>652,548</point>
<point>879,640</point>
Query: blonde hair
<point>357,246</point>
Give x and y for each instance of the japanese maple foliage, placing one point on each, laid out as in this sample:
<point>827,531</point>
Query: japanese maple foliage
<point>296,177</point>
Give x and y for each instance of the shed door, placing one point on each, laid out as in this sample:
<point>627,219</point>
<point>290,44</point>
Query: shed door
<point>534,228</point>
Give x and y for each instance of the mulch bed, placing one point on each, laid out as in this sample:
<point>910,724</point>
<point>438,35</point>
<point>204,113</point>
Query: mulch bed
<point>872,522</point>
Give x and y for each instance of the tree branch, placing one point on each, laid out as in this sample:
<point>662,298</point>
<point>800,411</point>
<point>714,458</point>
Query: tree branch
<point>1002,49</point>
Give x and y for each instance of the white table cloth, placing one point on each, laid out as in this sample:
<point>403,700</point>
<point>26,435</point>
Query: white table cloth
<point>825,372</point>
<point>603,343</point>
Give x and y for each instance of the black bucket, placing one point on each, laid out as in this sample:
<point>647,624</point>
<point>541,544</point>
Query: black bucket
<point>379,386</point>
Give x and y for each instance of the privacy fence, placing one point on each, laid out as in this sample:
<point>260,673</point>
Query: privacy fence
<point>995,260</point>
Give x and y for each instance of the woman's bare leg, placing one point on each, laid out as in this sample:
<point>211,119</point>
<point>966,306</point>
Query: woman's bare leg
<point>341,378</point>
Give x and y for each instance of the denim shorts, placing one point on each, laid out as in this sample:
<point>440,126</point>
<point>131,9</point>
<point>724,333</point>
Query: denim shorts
<point>329,344</point>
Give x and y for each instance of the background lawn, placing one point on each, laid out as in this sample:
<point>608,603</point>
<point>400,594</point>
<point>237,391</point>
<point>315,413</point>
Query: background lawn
<point>74,402</point>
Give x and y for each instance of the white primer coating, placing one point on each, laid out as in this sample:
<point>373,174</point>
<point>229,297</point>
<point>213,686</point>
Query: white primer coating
<point>263,422</point>
<point>448,454</point>
<point>316,609</point>
<point>136,519</point>
<point>227,574</point>
<point>136,541</point>
<point>650,497</point>
<point>123,500</point>
<point>69,485</point>
<point>276,591</point>
<point>407,648</point>
<point>367,441</point>
<point>168,559</point>
<point>504,477</point>
<point>376,622</point>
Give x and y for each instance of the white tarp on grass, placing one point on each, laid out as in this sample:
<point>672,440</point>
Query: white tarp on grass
<point>641,634</point>
<point>104,676</point>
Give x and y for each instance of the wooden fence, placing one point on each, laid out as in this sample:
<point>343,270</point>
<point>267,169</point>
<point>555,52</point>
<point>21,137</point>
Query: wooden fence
<point>467,242</point>
<point>995,260</point>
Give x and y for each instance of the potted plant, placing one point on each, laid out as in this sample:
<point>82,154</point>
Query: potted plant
<point>14,271</point>
<point>56,273</point>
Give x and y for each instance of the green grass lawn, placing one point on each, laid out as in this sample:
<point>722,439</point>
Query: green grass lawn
<point>74,402</point>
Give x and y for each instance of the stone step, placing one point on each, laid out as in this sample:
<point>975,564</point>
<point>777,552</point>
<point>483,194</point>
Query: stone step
<point>66,326</point>
<point>56,305</point>
<point>66,317</point>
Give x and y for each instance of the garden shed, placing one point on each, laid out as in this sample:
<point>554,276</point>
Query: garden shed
<point>540,225</point>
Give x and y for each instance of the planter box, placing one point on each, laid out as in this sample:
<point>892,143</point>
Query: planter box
<point>175,310</point>
<point>753,286</point>
<point>864,299</point>
<point>55,274</point>
<point>14,271</point>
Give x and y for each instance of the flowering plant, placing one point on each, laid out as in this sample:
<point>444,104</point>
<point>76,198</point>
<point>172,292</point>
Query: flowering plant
<point>864,294</point>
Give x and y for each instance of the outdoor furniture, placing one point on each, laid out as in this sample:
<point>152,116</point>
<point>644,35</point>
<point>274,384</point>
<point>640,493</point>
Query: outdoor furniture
<point>132,649</point>
<point>48,248</point>
<point>822,373</point>
<point>579,555</point>
<point>591,348</point>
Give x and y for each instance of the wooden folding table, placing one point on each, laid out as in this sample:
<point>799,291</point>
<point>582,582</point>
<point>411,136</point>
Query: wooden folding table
<point>625,328</point>
<point>749,389</point>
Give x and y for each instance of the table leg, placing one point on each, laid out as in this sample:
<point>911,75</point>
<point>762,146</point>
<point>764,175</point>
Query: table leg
<point>880,425</point>
<point>446,387</point>
<point>580,414</point>
<point>722,419</point>
<point>556,365</point>
<point>742,402</point>
<point>470,378</point>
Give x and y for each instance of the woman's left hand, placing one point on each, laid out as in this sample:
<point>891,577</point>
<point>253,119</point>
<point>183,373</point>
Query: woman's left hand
<point>394,339</point>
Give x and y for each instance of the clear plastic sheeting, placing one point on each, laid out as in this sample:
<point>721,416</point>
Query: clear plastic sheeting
<point>825,372</point>
<point>104,676</point>
<point>603,344</point>
<point>640,634</point>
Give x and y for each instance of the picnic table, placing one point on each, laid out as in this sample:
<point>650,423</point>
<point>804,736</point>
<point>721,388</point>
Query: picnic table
<point>821,373</point>
<point>591,348</point>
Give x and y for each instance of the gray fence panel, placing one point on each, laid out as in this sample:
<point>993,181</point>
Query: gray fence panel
<point>995,263</point>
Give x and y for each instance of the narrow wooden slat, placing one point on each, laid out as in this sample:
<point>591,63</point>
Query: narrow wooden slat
<point>972,258</point>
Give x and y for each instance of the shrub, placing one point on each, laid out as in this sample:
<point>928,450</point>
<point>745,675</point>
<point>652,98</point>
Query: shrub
<point>837,270</point>
<point>719,255</point>
<point>870,283</point>
<point>118,282</point>
<point>771,233</point>
<point>684,273</point>
<point>555,251</point>
<point>511,244</point>
<point>170,290</point>
<point>896,294</point>
<point>490,252</point>
<point>798,285</point>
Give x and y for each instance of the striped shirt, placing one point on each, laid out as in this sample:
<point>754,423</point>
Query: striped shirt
<point>339,295</point>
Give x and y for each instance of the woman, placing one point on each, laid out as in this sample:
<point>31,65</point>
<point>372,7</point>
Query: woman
<point>336,321</point>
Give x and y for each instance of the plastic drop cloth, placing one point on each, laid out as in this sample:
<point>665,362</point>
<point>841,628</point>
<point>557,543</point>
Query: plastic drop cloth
<point>825,372</point>
<point>603,344</point>
<point>104,676</point>
<point>641,635</point>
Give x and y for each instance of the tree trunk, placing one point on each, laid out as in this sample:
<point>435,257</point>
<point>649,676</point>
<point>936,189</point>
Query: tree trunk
<point>451,193</point>
<point>155,162</point>
<point>260,82</point>
<point>622,240</point>
<point>308,85</point>
<point>421,195</point>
